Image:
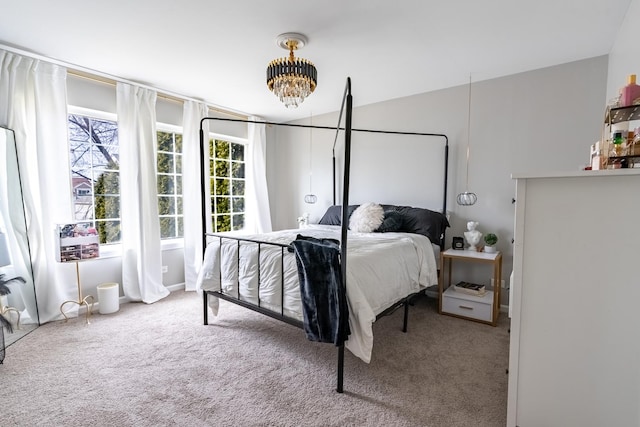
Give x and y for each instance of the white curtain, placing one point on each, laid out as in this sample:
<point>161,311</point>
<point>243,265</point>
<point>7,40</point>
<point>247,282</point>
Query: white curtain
<point>258,215</point>
<point>33,103</point>
<point>140,227</point>
<point>193,112</point>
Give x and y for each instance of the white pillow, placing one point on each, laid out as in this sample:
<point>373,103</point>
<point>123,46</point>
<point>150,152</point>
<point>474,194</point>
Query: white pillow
<point>367,218</point>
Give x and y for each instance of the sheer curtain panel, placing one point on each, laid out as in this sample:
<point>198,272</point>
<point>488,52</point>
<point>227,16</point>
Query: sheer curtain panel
<point>258,215</point>
<point>193,112</point>
<point>140,225</point>
<point>33,102</point>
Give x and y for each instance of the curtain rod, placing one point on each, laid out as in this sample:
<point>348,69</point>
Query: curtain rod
<point>111,82</point>
<point>101,77</point>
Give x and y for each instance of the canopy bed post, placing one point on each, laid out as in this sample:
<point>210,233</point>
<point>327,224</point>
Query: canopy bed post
<point>339,387</point>
<point>446,173</point>
<point>406,316</point>
<point>345,219</point>
<point>203,210</point>
<point>346,96</point>
<point>205,313</point>
<point>334,176</point>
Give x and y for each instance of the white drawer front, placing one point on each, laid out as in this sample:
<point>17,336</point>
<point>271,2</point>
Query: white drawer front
<point>468,306</point>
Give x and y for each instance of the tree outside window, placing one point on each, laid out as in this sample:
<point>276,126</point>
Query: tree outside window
<point>227,169</point>
<point>170,185</point>
<point>95,175</point>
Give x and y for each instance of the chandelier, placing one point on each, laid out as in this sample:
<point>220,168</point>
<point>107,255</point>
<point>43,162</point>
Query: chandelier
<point>291,79</point>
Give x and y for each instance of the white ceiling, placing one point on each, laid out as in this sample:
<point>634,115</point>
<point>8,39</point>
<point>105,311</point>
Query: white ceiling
<point>218,51</point>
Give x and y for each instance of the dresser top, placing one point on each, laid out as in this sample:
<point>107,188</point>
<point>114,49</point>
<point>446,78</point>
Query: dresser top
<point>577,174</point>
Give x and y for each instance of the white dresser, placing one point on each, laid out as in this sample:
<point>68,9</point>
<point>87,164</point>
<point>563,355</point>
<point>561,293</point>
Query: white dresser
<point>575,330</point>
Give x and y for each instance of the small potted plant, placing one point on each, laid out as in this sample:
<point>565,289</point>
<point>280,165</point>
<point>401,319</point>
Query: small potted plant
<point>490,241</point>
<point>5,323</point>
<point>4,290</point>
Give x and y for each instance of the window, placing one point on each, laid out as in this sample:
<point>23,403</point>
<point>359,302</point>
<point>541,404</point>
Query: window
<point>227,168</point>
<point>170,184</point>
<point>95,176</point>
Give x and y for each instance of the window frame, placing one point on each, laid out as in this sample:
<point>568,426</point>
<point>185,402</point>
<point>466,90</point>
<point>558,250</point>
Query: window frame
<point>107,250</point>
<point>115,249</point>
<point>175,242</point>
<point>236,140</point>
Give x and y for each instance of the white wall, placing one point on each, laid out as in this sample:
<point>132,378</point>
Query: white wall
<point>538,121</point>
<point>624,58</point>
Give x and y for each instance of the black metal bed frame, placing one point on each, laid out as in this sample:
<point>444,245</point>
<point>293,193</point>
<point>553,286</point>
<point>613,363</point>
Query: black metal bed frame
<point>346,108</point>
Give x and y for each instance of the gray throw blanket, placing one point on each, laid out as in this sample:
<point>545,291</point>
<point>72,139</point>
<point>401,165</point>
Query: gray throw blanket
<point>324,301</point>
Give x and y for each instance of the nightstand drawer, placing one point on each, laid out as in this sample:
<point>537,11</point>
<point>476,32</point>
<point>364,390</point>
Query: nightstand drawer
<point>460,304</point>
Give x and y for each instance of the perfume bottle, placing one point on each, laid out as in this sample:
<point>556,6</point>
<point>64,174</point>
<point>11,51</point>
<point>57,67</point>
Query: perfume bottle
<point>630,92</point>
<point>617,141</point>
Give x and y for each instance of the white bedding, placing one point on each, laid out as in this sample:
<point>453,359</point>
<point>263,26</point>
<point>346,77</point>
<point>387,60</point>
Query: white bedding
<point>382,269</point>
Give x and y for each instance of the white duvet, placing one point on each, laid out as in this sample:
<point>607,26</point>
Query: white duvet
<point>382,268</point>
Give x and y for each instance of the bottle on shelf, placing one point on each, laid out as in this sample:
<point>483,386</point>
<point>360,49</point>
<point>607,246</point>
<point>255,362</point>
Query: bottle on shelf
<point>618,143</point>
<point>634,150</point>
<point>596,158</point>
<point>630,92</point>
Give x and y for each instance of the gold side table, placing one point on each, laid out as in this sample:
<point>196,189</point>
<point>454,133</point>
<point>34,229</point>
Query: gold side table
<point>495,260</point>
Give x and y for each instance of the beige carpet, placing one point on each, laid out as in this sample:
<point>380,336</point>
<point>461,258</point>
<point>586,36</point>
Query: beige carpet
<point>157,365</point>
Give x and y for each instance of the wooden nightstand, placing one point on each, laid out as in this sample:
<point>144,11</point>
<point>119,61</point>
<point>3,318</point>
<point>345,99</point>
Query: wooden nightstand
<point>483,309</point>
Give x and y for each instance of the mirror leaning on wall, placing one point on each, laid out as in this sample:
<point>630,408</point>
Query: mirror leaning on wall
<point>19,307</point>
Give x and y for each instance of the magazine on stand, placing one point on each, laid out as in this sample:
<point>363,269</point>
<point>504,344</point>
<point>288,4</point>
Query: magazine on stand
<point>77,242</point>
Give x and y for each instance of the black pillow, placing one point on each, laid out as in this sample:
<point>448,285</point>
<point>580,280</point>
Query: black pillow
<point>392,222</point>
<point>333,215</point>
<point>423,221</point>
<point>414,220</point>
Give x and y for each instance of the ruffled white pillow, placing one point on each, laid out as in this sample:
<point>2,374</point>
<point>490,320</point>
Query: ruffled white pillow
<point>367,218</point>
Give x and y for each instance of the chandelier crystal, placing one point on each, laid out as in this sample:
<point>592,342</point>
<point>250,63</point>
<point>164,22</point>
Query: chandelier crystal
<point>291,79</point>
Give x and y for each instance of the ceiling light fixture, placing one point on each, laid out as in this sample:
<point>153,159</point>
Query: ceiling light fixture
<point>291,79</point>
<point>467,198</point>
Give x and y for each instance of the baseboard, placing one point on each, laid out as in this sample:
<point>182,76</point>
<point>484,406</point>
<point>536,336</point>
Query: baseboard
<point>177,287</point>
